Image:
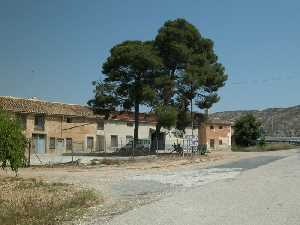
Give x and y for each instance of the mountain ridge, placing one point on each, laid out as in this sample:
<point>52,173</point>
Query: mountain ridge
<point>276,121</point>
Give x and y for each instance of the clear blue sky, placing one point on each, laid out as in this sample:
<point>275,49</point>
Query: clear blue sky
<point>54,49</point>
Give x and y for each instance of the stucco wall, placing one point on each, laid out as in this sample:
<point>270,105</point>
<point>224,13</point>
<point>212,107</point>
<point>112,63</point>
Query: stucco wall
<point>219,132</point>
<point>123,129</point>
<point>57,127</point>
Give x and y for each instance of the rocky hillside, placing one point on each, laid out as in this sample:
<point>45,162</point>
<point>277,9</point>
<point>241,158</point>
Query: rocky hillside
<point>276,121</point>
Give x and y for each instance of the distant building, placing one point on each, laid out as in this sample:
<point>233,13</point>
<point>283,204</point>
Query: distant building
<point>56,128</point>
<point>215,134</point>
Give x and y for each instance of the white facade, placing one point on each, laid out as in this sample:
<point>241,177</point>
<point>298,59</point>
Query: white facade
<point>117,133</point>
<point>122,131</point>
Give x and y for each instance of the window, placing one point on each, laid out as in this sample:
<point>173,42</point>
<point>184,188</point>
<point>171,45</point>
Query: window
<point>100,125</point>
<point>90,143</point>
<point>69,120</point>
<point>220,127</point>
<point>212,143</point>
<point>114,141</point>
<point>220,142</point>
<point>211,127</point>
<point>69,144</point>
<point>52,143</point>
<point>39,122</point>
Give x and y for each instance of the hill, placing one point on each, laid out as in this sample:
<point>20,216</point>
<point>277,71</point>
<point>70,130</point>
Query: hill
<point>276,121</point>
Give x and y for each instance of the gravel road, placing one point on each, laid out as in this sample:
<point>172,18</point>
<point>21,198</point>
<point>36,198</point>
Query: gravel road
<point>224,188</point>
<point>263,191</point>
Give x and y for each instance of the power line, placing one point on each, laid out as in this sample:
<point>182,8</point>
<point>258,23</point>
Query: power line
<point>263,81</point>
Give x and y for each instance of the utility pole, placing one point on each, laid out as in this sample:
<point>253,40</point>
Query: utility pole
<point>192,125</point>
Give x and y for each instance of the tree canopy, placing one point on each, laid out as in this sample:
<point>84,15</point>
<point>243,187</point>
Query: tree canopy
<point>192,65</point>
<point>171,74</point>
<point>12,143</point>
<point>246,131</point>
<point>130,72</point>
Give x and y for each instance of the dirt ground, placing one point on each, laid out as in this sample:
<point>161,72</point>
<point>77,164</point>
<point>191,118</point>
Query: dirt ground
<point>129,184</point>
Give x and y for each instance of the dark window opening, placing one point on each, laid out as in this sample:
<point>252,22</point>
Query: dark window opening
<point>69,143</point>
<point>39,122</point>
<point>100,125</point>
<point>211,127</point>
<point>114,141</point>
<point>90,143</point>
<point>212,143</point>
<point>52,143</point>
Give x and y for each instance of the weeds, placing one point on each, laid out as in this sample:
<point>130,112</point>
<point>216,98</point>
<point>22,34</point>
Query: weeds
<point>267,147</point>
<point>33,202</point>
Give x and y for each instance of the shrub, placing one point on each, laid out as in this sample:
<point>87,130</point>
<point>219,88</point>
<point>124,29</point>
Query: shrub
<point>12,143</point>
<point>246,131</point>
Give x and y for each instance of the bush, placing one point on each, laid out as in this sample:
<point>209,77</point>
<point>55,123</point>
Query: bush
<point>12,143</point>
<point>246,131</point>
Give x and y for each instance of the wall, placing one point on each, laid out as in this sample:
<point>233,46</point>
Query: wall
<point>217,134</point>
<point>123,129</point>
<point>56,126</point>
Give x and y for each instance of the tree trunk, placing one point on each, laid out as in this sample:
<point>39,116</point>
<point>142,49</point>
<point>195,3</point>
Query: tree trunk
<point>136,125</point>
<point>157,132</point>
<point>192,120</point>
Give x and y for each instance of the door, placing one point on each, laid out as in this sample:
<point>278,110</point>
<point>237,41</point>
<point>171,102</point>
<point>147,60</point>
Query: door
<point>212,143</point>
<point>158,141</point>
<point>39,143</point>
<point>90,143</point>
<point>100,143</point>
<point>69,144</point>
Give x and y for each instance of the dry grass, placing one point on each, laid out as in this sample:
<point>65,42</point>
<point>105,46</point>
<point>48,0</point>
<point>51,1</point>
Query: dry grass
<point>268,147</point>
<point>33,202</point>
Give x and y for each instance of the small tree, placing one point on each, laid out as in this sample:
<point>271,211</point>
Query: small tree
<point>246,131</point>
<point>12,143</point>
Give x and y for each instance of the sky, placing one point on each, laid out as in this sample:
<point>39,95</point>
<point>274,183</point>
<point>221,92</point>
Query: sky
<point>54,49</point>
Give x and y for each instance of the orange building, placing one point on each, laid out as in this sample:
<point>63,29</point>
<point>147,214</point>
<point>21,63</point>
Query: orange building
<point>215,134</point>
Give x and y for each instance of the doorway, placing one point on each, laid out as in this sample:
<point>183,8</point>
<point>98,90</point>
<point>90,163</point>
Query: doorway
<point>100,143</point>
<point>39,143</point>
<point>212,143</point>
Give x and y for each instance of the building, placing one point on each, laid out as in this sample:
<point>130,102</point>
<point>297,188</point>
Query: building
<point>56,128</point>
<point>215,134</point>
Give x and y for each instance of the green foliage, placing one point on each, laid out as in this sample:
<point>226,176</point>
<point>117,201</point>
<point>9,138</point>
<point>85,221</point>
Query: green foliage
<point>262,142</point>
<point>106,99</point>
<point>130,69</point>
<point>179,66</point>
<point>167,116</point>
<point>246,131</point>
<point>191,62</point>
<point>130,72</point>
<point>12,143</point>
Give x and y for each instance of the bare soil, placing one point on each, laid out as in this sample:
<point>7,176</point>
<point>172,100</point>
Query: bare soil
<point>119,183</point>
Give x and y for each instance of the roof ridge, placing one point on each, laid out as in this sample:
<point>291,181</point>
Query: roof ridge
<point>41,100</point>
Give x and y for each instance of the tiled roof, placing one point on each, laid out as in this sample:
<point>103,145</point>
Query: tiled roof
<point>23,105</point>
<point>129,117</point>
